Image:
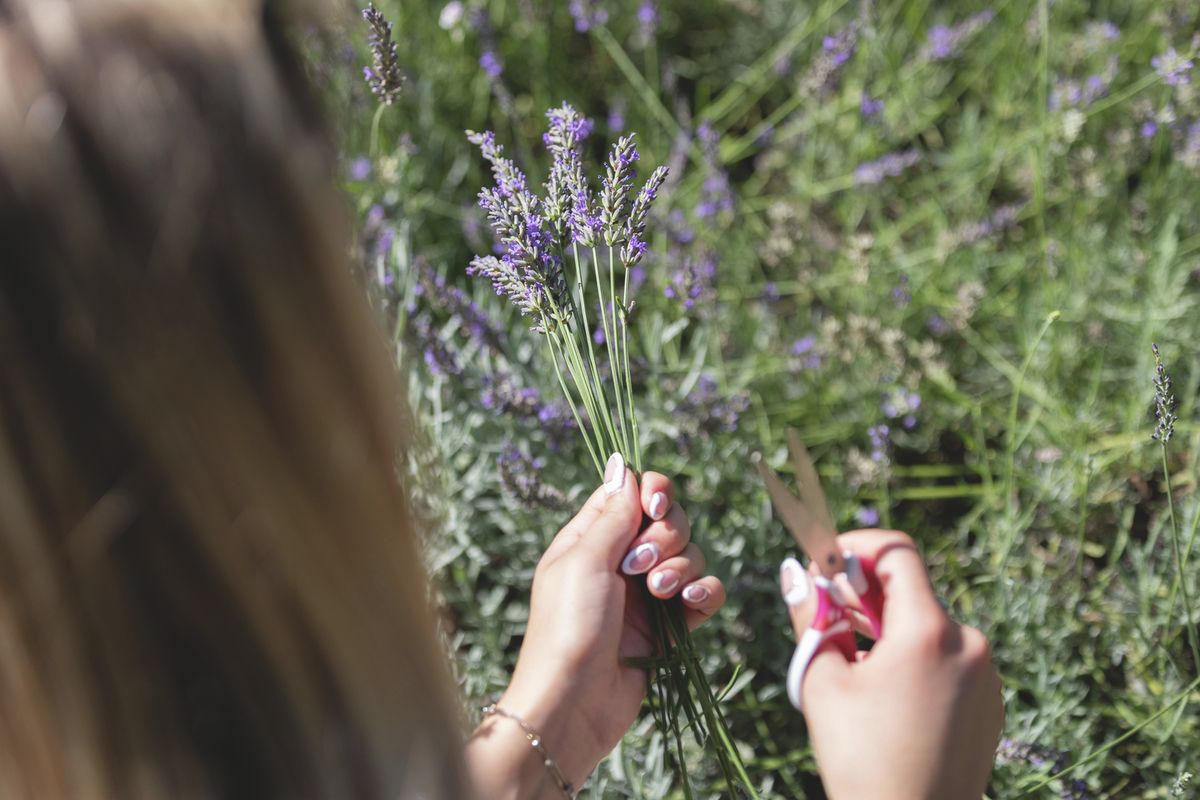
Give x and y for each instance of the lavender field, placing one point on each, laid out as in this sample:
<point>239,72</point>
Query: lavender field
<point>938,239</point>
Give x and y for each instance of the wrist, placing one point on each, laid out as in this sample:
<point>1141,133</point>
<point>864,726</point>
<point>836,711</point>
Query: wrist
<point>565,733</point>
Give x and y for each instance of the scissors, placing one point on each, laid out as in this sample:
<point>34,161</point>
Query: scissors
<point>811,524</point>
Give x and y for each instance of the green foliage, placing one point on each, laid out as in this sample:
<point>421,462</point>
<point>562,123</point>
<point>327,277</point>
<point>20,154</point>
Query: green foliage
<point>1012,277</point>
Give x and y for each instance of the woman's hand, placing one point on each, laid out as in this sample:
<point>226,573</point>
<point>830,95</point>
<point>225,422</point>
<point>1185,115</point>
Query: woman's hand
<point>919,716</point>
<point>588,614</point>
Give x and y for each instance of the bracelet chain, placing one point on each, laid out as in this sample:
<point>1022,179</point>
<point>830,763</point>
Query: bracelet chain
<point>535,740</point>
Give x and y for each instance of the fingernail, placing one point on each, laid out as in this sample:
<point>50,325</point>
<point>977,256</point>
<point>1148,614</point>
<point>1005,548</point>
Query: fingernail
<point>664,581</point>
<point>614,474</point>
<point>658,505</point>
<point>640,559</point>
<point>793,581</point>
<point>695,593</point>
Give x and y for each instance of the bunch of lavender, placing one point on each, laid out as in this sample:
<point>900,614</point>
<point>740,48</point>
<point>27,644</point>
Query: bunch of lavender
<point>562,252</point>
<point>383,76</point>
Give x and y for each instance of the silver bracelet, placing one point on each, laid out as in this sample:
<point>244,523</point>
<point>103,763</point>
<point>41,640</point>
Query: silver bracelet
<point>535,740</point>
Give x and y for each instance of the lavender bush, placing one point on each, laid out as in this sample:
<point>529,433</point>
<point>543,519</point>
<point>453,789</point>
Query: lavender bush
<point>938,239</point>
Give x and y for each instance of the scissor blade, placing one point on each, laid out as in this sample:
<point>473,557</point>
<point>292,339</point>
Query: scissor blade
<point>811,493</point>
<point>813,536</point>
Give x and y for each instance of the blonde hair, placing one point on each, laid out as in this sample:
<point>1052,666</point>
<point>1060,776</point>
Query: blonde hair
<point>208,582</point>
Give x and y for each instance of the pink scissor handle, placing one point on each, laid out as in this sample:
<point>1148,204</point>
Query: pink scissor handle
<point>831,623</point>
<point>860,572</point>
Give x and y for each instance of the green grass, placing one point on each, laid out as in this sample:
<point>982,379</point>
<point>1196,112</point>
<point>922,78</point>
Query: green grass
<point>1029,478</point>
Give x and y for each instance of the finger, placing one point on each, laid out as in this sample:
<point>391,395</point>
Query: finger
<point>658,494</point>
<point>666,579</point>
<point>661,540</point>
<point>828,671</point>
<point>570,534</point>
<point>701,599</point>
<point>610,534</point>
<point>909,599</point>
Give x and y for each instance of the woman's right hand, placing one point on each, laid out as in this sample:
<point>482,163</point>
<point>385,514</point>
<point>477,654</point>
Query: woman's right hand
<point>919,716</point>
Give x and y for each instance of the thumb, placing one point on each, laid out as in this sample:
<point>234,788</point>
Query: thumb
<point>828,671</point>
<point>610,534</point>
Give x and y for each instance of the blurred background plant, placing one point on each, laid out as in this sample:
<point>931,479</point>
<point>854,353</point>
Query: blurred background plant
<point>939,239</point>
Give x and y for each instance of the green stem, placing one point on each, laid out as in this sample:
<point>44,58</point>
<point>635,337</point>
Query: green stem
<point>586,328</point>
<point>608,343</point>
<point>619,373</point>
<point>571,402</point>
<point>1183,583</point>
<point>637,444</point>
<point>373,148</point>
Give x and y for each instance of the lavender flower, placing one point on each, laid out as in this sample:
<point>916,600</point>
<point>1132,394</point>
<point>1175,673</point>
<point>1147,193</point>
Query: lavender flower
<point>901,295</point>
<point>383,76</point>
<point>716,196</point>
<point>867,516</point>
<point>1149,129</point>
<point>521,478</point>
<point>635,231</point>
<point>1173,68</point>
<point>360,169</point>
<point>944,43</point>
<point>823,73</point>
<point>880,441</point>
<point>901,404</point>
<point>616,119</point>
<point>647,18</point>
<point>805,349</point>
<point>869,106</point>
<point>588,14</point>
<point>1164,402</point>
<point>693,282</point>
<point>615,204</point>
<point>502,395</point>
<point>871,173</point>
<point>529,273</point>
<point>452,300</point>
<point>438,357</point>
<point>1080,94</point>
<point>491,64</point>
<point>705,411</point>
<point>1000,220</point>
<point>1101,31</point>
<point>567,204</point>
<point>378,236</point>
<point>1041,757</point>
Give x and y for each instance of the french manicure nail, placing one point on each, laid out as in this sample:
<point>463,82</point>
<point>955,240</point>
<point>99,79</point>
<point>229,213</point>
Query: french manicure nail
<point>664,581</point>
<point>640,559</point>
<point>658,505</point>
<point>793,581</point>
<point>695,593</point>
<point>614,474</point>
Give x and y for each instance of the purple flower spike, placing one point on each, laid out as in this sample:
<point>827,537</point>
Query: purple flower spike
<point>943,43</point>
<point>891,165</point>
<point>1173,68</point>
<point>491,64</point>
<point>384,75</point>
<point>587,14</point>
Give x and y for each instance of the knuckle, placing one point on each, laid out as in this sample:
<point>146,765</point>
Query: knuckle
<point>930,634</point>
<point>977,651</point>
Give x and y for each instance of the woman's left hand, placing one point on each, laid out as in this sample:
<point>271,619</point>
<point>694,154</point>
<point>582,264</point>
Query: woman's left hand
<point>588,615</point>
